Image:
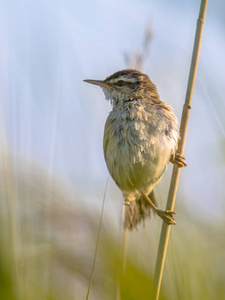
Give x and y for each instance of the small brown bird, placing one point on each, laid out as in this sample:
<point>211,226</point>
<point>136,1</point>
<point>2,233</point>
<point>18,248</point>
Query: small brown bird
<point>140,138</point>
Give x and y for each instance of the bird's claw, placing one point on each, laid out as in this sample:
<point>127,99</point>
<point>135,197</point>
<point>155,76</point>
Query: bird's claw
<point>167,216</point>
<point>179,159</point>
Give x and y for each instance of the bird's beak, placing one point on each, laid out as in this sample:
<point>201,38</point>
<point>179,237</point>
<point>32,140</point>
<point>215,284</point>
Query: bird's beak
<point>98,82</point>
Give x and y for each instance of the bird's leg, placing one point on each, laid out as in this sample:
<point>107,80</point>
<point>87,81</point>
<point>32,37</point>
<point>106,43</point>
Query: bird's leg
<point>166,215</point>
<point>179,160</point>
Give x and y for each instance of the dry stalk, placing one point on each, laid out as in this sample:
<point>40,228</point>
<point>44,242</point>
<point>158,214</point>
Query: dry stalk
<point>97,243</point>
<point>176,170</point>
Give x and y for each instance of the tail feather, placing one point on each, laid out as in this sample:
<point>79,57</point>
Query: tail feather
<point>137,211</point>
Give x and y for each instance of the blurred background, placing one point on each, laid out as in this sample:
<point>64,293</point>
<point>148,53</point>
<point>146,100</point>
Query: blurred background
<point>52,169</point>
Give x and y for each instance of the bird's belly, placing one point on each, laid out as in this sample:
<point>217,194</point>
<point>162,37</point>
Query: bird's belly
<point>136,164</point>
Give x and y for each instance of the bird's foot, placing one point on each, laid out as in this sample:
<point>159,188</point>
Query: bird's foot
<point>166,215</point>
<point>179,159</point>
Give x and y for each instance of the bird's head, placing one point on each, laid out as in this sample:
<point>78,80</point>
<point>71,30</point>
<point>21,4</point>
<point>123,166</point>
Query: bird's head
<point>126,85</point>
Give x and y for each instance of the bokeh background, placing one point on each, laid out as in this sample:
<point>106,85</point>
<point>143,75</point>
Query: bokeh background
<point>52,171</point>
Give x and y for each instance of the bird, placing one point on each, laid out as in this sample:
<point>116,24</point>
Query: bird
<point>140,139</point>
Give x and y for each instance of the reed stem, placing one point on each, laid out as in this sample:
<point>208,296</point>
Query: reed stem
<point>164,238</point>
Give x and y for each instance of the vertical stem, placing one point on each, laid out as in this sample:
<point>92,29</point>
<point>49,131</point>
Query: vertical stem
<point>176,171</point>
<point>122,267</point>
<point>97,243</point>
<point>124,248</point>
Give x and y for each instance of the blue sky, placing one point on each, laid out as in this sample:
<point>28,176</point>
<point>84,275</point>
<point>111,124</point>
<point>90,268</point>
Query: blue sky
<point>52,117</point>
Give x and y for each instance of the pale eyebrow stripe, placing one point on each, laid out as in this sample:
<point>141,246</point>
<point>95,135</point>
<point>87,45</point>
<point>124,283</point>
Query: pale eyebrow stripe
<point>124,78</point>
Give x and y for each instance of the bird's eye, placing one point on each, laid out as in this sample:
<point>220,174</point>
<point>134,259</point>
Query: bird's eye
<point>119,83</point>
